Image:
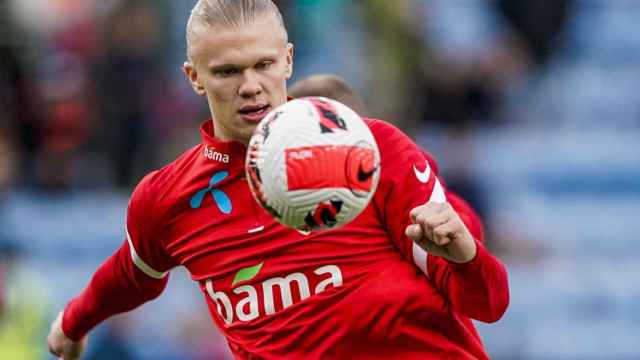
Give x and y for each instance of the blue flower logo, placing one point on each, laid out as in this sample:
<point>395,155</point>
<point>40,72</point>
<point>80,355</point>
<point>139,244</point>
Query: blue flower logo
<point>219,197</point>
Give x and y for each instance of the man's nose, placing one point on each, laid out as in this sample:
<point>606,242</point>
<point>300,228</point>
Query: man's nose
<point>250,86</point>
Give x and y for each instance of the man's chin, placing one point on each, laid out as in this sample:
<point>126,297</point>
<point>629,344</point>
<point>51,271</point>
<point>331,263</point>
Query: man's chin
<point>247,131</point>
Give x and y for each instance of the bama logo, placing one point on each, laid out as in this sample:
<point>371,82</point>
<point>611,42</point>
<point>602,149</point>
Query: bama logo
<point>212,154</point>
<point>219,197</point>
<point>249,302</point>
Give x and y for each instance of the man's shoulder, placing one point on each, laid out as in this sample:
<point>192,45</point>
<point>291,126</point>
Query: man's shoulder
<point>396,144</point>
<point>160,181</point>
<point>152,199</point>
<point>382,129</point>
<point>387,135</point>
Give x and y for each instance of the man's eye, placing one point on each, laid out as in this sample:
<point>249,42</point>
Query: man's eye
<point>263,65</point>
<point>227,72</point>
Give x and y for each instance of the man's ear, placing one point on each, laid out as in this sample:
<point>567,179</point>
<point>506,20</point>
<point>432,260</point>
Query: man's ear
<point>192,76</point>
<point>289,60</point>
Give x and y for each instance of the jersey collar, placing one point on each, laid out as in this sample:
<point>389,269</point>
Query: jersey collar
<point>221,146</point>
<point>230,147</point>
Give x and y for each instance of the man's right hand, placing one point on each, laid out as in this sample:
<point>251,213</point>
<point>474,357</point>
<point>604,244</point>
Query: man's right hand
<point>60,345</point>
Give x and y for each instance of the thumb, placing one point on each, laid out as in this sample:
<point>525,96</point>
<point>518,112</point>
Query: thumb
<point>414,232</point>
<point>74,349</point>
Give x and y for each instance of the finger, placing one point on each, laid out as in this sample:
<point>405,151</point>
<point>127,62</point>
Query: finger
<point>57,322</point>
<point>414,232</point>
<point>430,208</point>
<point>68,356</point>
<point>433,249</point>
<point>413,214</point>
<point>432,221</point>
<point>72,352</point>
<point>52,350</point>
<point>422,209</point>
<point>444,233</point>
<point>426,229</point>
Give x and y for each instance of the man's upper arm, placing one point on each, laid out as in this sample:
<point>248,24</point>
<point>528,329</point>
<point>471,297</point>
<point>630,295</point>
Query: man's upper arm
<point>144,229</point>
<point>478,289</point>
<point>407,181</point>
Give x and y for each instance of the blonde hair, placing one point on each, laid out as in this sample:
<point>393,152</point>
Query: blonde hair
<point>229,13</point>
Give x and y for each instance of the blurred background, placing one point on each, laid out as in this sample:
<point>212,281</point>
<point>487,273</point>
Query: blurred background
<point>528,106</point>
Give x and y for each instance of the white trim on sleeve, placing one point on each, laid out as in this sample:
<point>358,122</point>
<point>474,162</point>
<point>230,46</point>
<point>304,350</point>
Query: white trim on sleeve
<point>437,194</point>
<point>140,264</point>
<point>420,256</point>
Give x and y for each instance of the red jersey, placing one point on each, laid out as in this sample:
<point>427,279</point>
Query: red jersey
<point>362,291</point>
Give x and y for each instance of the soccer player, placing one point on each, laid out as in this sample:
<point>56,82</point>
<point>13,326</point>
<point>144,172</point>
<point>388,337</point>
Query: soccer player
<point>401,281</point>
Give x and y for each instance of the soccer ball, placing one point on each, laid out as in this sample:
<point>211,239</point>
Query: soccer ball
<point>313,164</point>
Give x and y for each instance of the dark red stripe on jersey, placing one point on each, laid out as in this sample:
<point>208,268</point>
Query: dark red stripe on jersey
<point>329,166</point>
<point>324,214</point>
<point>328,115</point>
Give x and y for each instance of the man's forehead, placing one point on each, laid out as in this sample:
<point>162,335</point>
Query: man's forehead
<point>231,44</point>
<point>268,26</point>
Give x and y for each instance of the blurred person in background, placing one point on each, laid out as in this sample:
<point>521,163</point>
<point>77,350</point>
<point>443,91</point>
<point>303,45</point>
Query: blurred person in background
<point>421,271</point>
<point>430,79</point>
<point>456,83</point>
<point>538,27</point>
<point>18,115</point>
<point>51,100</point>
<point>8,161</point>
<point>76,129</point>
<point>329,36</point>
<point>129,81</point>
<point>22,298</point>
<point>67,120</point>
<point>422,89</point>
<point>7,172</point>
<point>329,86</point>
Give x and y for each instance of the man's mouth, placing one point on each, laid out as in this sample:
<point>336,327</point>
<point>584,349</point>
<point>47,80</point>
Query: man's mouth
<point>254,113</point>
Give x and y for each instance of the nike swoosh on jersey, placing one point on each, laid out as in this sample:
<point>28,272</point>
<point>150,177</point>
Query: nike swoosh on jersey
<point>423,176</point>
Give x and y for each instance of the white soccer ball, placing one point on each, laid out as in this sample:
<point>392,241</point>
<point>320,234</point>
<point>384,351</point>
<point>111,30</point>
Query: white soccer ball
<point>313,164</point>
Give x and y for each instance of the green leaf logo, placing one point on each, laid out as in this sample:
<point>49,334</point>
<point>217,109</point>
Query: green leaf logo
<point>247,273</point>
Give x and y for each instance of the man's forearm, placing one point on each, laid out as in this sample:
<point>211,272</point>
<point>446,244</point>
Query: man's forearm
<point>116,287</point>
<point>479,289</point>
